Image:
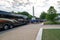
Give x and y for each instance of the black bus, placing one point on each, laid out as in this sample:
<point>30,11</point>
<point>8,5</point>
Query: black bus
<point>21,18</point>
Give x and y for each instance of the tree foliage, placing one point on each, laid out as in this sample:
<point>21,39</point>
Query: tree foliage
<point>43,15</point>
<point>51,14</point>
<point>25,13</point>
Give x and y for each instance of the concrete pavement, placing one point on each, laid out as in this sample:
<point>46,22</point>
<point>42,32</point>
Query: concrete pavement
<point>27,32</point>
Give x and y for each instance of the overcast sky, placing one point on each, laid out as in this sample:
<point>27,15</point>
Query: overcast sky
<point>40,5</point>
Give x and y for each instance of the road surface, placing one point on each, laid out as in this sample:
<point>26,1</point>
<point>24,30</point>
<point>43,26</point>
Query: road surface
<point>27,32</point>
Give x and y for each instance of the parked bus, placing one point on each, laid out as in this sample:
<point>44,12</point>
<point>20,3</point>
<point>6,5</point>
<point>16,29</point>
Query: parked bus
<point>9,19</point>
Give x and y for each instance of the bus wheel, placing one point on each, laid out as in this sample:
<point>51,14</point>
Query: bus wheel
<point>11,26</point>
<point>5,26</point>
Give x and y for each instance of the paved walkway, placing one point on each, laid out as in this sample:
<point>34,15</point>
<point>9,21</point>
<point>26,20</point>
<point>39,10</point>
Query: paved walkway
<point>27,32</point>
<point>51,26</point>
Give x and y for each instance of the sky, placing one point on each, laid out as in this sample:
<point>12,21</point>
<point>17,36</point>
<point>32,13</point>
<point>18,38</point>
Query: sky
<point>26,5</point>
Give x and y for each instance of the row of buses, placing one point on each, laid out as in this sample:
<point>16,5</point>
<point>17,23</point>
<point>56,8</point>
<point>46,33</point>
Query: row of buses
<point>10,20</point>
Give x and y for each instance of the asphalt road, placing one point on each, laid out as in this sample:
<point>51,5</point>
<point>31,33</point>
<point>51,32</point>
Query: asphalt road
<point>27,32</point>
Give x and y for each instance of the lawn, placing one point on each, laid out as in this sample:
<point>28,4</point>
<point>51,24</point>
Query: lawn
<point>51,34</point>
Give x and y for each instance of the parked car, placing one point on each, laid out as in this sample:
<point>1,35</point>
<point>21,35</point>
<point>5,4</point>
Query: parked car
<point>8,23</point>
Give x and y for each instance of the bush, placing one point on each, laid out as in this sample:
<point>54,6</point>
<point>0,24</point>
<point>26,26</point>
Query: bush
<point>50,22</point>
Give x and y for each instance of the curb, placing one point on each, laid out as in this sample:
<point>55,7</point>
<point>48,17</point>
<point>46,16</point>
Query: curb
<point>39,35</point>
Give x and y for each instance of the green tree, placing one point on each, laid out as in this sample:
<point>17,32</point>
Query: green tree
<point>43,15</point>
<point>25,13</point>
<point>51,15</point>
